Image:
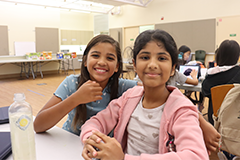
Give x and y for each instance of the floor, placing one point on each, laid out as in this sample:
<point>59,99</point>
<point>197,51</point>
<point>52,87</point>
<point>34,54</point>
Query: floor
<point>39,91</point>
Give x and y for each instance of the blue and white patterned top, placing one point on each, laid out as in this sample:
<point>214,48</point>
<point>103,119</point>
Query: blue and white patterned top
<point>69,86</point>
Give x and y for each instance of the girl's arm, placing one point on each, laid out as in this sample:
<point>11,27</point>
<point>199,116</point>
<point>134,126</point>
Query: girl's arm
<point>210,134</point>
<point>193,80</point>
<point>104,121</point>
<point>188,141</point>
<point>55,109</point>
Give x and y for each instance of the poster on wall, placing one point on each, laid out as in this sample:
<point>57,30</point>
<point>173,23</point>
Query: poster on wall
<point>21,48</point>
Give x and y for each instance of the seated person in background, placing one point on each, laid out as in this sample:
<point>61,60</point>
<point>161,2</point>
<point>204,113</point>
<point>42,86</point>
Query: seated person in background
<point>226,71</point>
<point>181,78</point>
<point>185,53</point>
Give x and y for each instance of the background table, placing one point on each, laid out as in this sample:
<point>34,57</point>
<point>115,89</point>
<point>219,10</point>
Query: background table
<point>29,64</point>
<point>55,144</point>
<point>197,88</point>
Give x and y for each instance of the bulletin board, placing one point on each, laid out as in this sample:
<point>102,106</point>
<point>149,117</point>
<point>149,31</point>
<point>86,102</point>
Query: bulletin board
<point>21,48</point>
<point>47,39</point>
<point>198,34</point>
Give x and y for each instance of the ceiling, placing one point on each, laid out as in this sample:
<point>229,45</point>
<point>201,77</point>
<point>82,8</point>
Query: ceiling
<point>94,6</point>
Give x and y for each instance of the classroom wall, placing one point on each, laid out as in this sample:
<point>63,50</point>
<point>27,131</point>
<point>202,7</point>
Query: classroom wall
<point>173,11</point>
<point>22,20</point>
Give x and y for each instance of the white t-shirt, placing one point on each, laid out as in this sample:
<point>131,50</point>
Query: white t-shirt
<point>143,130</point>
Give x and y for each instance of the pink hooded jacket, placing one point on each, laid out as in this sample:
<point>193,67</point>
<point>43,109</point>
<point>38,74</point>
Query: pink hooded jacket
<point>179,118</point>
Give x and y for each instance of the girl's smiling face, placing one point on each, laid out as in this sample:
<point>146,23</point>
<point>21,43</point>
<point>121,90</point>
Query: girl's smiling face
<point>154,65</point>
<point>102,62</point>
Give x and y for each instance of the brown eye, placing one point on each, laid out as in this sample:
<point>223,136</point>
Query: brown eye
<point>110,58</point>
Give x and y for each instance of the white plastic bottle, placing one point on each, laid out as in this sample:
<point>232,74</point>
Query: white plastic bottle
<point>21,126</point>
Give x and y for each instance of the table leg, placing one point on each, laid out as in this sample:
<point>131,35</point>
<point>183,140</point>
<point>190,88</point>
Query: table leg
<point>31,64</point>
<point>63,65</point>
<point>59,63</point>
<point>40,69</point>
<point>68,62</point>
<point>22,65</point>
<point>27,75</point>
<point>35,73</point>
<point>73,67</point>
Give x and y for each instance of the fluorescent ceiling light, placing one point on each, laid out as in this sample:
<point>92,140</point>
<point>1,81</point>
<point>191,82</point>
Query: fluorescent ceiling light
<point>98,6</point>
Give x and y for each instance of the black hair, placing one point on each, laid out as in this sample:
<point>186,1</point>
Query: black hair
<point>184,49</point>
<point>227,53</point>
<point>81,111</point>
<point>157,36</point>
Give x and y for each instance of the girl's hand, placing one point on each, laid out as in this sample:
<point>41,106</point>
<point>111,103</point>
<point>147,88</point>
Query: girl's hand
<point>90,91</point>
<point>108,150</point>
<point>86,153</point>
<point>90,151</point>
<point>211,137</point>
<point>193,74</point>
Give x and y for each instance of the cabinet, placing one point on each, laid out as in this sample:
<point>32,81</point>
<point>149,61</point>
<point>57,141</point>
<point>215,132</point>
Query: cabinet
<point>75,37</point>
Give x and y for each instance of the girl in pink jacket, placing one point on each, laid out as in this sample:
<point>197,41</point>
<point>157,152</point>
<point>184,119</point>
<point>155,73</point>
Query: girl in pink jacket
<point>151,122</point>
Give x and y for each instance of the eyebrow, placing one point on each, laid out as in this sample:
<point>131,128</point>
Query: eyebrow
<point>95,52</point>
<point>110,54</point>
<point>160,53</point>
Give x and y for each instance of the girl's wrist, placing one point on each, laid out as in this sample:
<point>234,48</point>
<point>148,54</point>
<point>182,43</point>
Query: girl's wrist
<point>75,99</point>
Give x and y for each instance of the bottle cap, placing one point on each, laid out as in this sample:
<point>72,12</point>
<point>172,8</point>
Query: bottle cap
<point>19,96</point>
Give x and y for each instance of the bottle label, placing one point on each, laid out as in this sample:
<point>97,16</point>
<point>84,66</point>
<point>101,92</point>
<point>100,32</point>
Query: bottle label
<point>23,122</point>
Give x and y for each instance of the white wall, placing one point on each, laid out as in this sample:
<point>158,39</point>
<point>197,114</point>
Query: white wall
<point>22,20</point>
<point>173,11</point>
<point>76,21</point>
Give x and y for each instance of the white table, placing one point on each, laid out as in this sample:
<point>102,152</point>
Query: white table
<point>55,144</point>
<point>29,63</point>
<point>197,88</point>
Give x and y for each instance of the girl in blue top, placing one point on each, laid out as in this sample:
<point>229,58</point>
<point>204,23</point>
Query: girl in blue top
<point>82,96</point>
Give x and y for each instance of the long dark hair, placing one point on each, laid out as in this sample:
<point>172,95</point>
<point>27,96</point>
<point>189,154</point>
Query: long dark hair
<point>227,53</point>
<point>182,50</point>
<point>157,36</point>
<point>81,111</point>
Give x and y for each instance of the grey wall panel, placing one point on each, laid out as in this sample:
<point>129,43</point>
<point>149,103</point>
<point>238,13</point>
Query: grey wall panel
<point>4,48</point>
<point>116,33</point>
<point>47,39</point>
<point>195,34</point>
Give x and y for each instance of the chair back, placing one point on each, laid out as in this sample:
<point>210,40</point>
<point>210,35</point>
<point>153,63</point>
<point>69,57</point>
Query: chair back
<point>228,116</point>
<point>218,94</point>
<point>200,56</point>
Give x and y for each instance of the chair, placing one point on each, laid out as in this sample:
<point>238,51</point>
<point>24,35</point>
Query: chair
<point>218,94</point>
<point>200,56</point>
<point>226,119</point>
